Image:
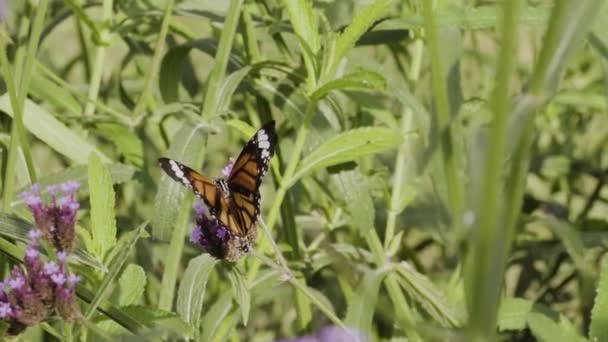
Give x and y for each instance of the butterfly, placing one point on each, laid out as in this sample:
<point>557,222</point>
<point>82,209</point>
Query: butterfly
<point>234,201</point>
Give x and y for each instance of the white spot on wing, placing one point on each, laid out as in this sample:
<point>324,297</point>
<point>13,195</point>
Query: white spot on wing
<point>264,144</point>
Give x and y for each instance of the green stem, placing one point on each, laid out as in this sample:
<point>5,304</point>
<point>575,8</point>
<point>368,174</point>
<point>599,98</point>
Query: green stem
<point>221,59</point>
<point>402,310</point>
<point>98,63</point>
<point>489,244</point>
<point>440,92</point>
<point>156,58</point>
<point>403,153</point>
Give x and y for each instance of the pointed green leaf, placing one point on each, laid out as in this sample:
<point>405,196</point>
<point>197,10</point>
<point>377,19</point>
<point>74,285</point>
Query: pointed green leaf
<point>360,24</point>
<point>228,88</point>
<point>132,284</point>
<point>53,132</point>
<point>154,317</point>
<point>117,259</point>
<point>103,222</point>
<point>127,142</point>
<point>240,291</point>
<point>215,316</point>
<point>432,300</point>
<point>513,314</point>
<point>361,79</point>
<point>191,292</point>
<point>348,146</point>
<point>352,187</point>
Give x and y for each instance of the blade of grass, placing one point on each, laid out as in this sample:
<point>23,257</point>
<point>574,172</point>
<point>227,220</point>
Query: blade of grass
<point>99,58</point>
<point>489,245</point>
<point>443,113</point>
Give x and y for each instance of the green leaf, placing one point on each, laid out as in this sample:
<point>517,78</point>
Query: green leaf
<point>348,146</point>
<point>103,222</point>
<point>117,259</point>
<point>215,316</point>
<point>361,306</point>
<point>191,292</point>
<point>306,30</point>
<point>47,128</point>
<point>303,22</point>
<point>240,291</point>
<point>45,89</point>
<point>127,142</point>
<point>421,289</point>
<point>184,148</point>
<point>154,317</point>
<point>513,313</point>
<point>547,330</point>
<point>170,73</point>
<point>360,24</point>
<point>132,284</point>
<point>355,193</point>
<point>229,87</point>
<point>598,330</point>
<point>361,79</point>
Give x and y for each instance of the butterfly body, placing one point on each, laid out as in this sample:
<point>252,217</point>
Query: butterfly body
<point>235,200</point>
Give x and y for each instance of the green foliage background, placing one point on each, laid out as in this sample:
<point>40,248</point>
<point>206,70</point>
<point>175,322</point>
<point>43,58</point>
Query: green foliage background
<point>440,176</point>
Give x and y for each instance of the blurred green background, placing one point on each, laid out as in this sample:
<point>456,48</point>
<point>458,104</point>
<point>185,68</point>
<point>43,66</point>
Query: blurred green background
<point>440,173</point>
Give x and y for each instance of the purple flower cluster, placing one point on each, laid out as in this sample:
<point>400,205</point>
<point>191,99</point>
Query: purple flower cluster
<point>43,288</point>
<point>57,219</point>
<point>209,233</point>
<point>331,334</point>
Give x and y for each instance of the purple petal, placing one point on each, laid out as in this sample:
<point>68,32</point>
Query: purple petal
<point>34,234</point>
<point>226,170</point>
<point>5,309</point>
<point>73,279</point>
<point>51,189</point>
<point>61,256</point>
<point>31,252</point>
<point>58,278</point>
<point>199,207</point>
<point>16,283</point>
<point>51,267</point>
<point>195,236</point>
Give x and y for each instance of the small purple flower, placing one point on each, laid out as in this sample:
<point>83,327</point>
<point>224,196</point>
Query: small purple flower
<point>73,279</point>
<point>51,189</point>
<point>31,252</point>
<point>51,267</point>
<point>34,234</point>
<point>226,170</point>
<point>16,283</point>
<point>62,256</point>
<point>58,278</point>
<point>196,235</point>
<point>5,309</point>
